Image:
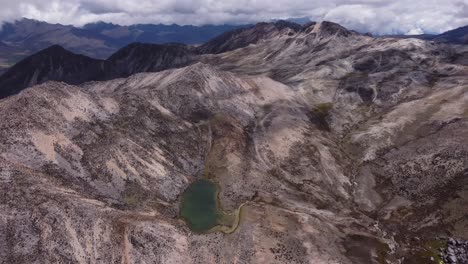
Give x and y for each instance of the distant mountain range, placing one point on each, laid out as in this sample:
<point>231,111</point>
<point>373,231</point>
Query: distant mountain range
<point>456,36</point>
<point>97,40</point>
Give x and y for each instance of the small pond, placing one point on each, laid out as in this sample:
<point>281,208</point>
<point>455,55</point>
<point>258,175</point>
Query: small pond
<point>201,210</point>
<point>199,206</point>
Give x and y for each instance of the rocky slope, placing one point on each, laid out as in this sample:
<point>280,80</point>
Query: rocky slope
<point>139,57</point>
<point>343,149</point>
<point>243,37</point>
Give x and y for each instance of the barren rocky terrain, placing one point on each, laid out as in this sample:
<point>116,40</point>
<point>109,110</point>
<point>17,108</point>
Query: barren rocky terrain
<point>342,148</point>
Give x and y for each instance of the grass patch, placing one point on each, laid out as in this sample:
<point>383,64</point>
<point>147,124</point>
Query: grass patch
<point>361,249</point>
<point>428,250</point>
<point>130,200</point>
<point>319,114</point>
<point>134,195</point>
<point>323,109</point>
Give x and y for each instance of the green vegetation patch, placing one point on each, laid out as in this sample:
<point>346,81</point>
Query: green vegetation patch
<point>134,195</point>
<point>319,115</point>
<point>428,249</point>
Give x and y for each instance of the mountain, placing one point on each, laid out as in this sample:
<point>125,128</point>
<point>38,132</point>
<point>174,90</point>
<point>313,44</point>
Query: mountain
<point>456,36</point>
<point>299,20</point>
<point>242,37</point>
<point>30,36</point>
<point>5,48</point>
<point>8,55</point>
<point>58,64</point>
<point>324,146</point>
<point>53,63</point>
<point>97,40</point>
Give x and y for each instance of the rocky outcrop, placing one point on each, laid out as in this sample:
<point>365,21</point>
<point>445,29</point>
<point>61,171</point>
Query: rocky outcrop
<point>455,252</point>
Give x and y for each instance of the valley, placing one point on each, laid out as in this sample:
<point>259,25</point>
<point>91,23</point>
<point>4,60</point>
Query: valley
<point>278,143</point>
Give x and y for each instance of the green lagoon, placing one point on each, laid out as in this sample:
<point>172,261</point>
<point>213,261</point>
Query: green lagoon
<point>201,210</point>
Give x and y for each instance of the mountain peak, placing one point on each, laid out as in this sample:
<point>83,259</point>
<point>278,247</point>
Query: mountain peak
<point>282,24</point>
<point>34,22</point>
<point>55,48</point>
<point>245,36</point>
<point>327,28</point>
<point>100,25</point>
<point>52,63</point>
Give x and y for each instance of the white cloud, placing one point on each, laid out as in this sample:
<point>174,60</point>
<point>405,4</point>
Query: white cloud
<point>415,31</point>
<point>376,16</point>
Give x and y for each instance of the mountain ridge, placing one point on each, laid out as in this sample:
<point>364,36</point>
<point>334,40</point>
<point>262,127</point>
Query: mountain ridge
<point>58,64</point>
<point>52,63</point>
<point>141,57</point>
<point>100,40</point>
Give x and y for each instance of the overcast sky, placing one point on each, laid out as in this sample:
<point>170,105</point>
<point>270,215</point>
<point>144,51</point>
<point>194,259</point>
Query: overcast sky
<point>376,16</point>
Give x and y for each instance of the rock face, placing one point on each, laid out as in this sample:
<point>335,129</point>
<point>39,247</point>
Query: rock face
<point>456,251</point>
<point>343,148</point>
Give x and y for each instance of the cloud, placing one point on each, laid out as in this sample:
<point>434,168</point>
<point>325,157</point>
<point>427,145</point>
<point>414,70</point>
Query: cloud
<point>376,16</point>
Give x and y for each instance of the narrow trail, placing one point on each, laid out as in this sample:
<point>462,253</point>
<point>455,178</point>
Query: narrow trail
<point>125,246</point>
<point>258,128</point>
